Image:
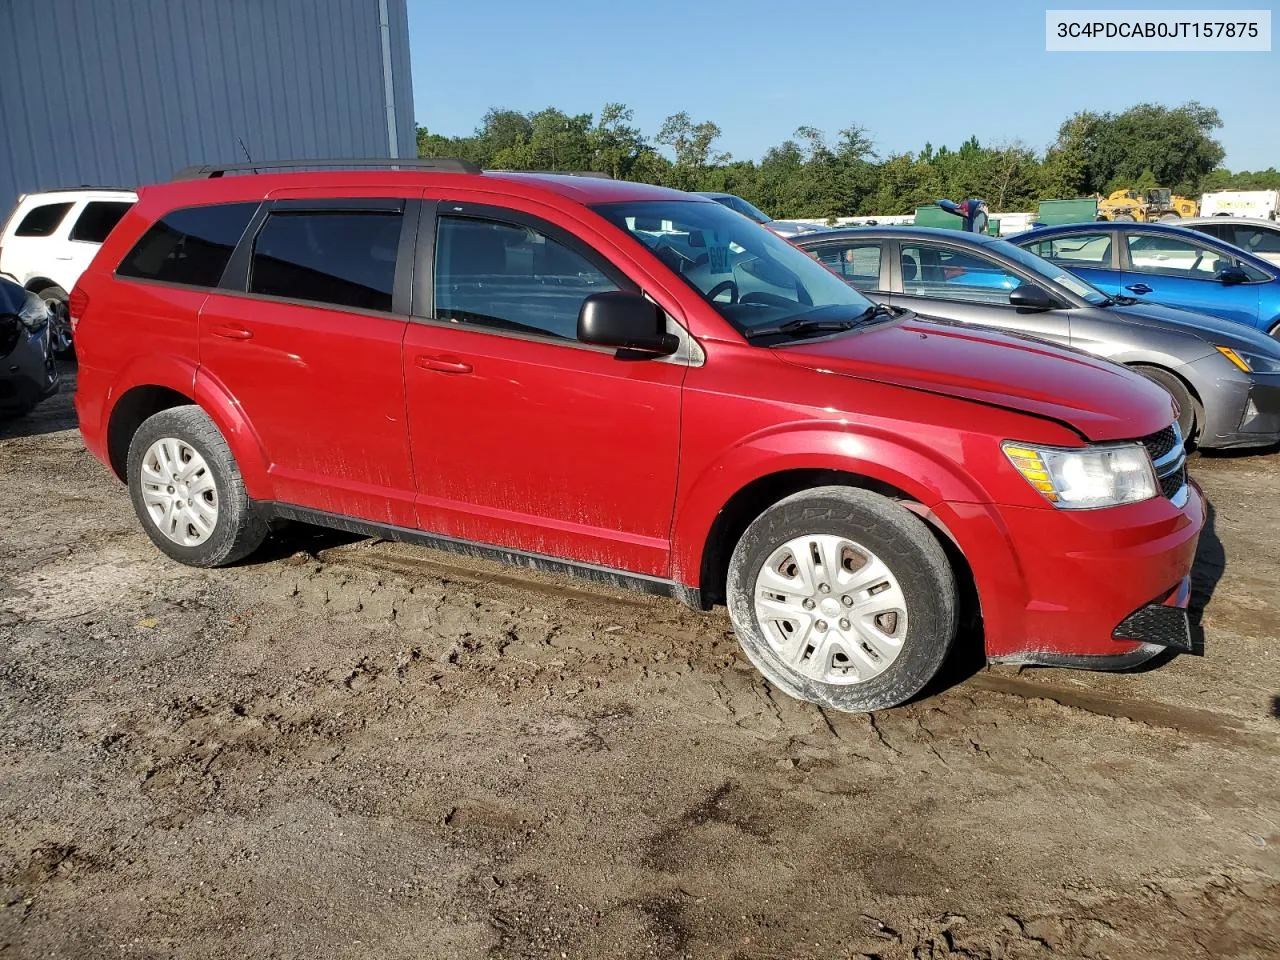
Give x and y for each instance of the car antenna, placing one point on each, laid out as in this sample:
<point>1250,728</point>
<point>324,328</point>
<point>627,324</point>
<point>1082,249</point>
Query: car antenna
<point>240,140</point>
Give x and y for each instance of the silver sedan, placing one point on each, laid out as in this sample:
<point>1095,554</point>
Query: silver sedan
<point>1224,376</point>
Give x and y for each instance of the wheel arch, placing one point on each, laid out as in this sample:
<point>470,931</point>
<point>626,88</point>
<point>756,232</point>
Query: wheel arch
<point>145,399</point>
<point>36,284</point>
<point>1191,387</point>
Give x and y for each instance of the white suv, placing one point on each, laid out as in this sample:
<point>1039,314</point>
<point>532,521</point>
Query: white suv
<point>49,240</point>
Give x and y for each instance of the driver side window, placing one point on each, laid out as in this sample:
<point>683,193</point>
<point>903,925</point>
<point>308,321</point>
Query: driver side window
<point>511,277</point>
<point>1174,257</point>
<point>939,272</point>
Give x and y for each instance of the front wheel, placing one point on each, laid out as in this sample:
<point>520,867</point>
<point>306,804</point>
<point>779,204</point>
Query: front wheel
<point>1174,386</point>
<point>187,490</point>
<point>55,299</point>
<point>843,598</point>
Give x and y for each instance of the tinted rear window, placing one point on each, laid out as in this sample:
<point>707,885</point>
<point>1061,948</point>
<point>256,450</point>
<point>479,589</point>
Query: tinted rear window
<point>42,221</point>
<point>190,246</point>
<point>98,219</point>
<point>347,259</point>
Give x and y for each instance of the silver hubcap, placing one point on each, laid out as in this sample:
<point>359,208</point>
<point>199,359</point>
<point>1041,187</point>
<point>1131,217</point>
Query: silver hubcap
<point>179,493</point>
<point>59,324</point>
<point>831,609</point>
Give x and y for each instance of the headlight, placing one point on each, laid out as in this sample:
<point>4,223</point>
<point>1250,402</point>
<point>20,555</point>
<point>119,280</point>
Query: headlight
<point>1084,478</point>
<point>34,314</point>
<point>1251,362</point>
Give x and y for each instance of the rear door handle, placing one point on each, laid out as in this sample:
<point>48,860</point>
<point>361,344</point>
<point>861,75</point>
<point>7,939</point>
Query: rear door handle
<point>231,331</point>
<point>443,364</point>
<point>1138,288</point>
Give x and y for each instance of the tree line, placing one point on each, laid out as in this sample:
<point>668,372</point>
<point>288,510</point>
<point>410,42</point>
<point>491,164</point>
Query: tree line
<point>813,175</point>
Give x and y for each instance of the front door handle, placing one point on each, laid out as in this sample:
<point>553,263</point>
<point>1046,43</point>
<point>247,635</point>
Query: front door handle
<point>443,364</point>
<point>231,331</point>
<point>1138,288</point>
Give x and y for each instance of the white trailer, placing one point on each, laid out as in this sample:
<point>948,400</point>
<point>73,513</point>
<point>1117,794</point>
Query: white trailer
<point>1259,204</point>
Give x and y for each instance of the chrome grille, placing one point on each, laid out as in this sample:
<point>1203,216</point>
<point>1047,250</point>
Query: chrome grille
<point>1170,461</point>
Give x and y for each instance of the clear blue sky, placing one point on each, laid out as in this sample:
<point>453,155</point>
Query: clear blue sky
<point>909,72</point>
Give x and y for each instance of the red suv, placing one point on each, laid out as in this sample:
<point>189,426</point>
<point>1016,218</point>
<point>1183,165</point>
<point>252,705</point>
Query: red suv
<point>640,386</point>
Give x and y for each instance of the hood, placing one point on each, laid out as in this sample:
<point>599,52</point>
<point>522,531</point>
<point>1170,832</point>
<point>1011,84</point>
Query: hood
<point>1215,331</point>
<point>1100,400</point>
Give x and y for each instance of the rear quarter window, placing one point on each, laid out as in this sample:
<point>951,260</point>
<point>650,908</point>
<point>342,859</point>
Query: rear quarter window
<point>189,246</point>
<point>42,221</point>
<point>98,219</point>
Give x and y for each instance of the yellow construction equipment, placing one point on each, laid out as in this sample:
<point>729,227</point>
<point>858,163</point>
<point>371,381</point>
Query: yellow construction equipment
<point>1143,206</point>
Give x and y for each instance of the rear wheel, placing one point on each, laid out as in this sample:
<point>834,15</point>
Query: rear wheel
<point>187,490</point>
<point>1189,413</point>
<point>843,598</point>
<point>55,299</point>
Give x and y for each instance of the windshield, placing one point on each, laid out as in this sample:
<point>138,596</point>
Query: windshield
<point>752,277</point>
<point>737,203</point>
<point>1052,272</point>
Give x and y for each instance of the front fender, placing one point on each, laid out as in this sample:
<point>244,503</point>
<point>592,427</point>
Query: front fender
<point>897,461</point>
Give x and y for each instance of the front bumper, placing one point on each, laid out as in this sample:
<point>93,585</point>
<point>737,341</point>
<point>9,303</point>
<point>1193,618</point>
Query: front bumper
<point>1240,411</point>
<point>1061,587</point>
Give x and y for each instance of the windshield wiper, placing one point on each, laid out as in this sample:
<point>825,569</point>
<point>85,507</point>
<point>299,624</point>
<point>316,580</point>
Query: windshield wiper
<point>802,326</point>
<point>799,327</point>
<point>1120,301</point>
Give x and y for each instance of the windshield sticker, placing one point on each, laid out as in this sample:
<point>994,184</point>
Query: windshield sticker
<point>718,259</point>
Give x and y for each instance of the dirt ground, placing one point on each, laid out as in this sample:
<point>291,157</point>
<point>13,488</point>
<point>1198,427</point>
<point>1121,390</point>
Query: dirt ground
<point>356,749</point>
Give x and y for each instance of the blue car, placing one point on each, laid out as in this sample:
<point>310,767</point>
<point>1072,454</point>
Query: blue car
<point>1158,263</point>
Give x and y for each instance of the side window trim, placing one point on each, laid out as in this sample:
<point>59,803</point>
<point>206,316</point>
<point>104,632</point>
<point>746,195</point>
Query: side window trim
<point>235,278</point>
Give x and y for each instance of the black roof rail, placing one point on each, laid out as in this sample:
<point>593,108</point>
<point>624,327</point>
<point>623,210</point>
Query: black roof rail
<point>205,171</point>
<point>597,174</point>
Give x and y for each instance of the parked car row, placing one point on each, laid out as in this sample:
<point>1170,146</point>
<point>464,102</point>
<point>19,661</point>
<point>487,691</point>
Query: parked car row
<point>1224,377</point>
<point>49,240</point>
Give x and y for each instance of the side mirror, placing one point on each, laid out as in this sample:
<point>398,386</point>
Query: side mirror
<point>1230,276</point>
<point>627,321</point>
<point>1031,296</point>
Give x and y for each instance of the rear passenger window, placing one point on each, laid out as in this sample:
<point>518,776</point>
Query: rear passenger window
<point>1081,250</point>
<point>190,246</point>
<point>857,263</point>
<point>511,277</point>
<point>98,219</point>
<point>342,258</point>
<point>42,221</point>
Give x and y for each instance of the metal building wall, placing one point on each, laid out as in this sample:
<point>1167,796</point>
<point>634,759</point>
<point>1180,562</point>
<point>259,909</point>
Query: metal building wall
<point>122,92</point>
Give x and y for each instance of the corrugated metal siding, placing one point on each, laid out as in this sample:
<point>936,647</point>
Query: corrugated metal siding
<point>122,92</point>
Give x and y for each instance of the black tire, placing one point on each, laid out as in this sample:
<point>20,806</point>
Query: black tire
<point>239,529</point>
<point>60,324</point>
<point>898,538</point>
<point>1190,414</point>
